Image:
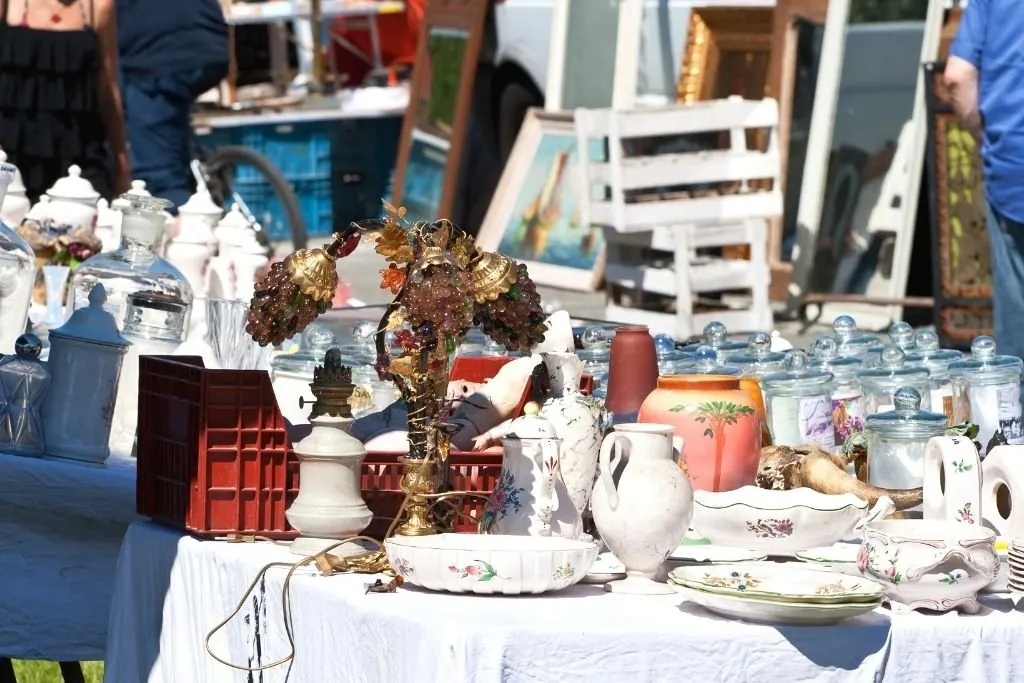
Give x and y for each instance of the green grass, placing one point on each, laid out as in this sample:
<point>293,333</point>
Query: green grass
<point>49,672</point>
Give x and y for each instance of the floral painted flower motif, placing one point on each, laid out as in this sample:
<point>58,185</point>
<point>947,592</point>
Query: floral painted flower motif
<point>846,423</point>
<point>862,558</point>
<point>735,580</point>
<point>960,467</point>
<point>563,573</point>
<point>407,340</point>
<point>403,567</point>
<point>392,278</point>
<point>478,571</point>
<point>504,500</point>
<point>965,514</point>
<point>952,577</point>
<point>771,528</point>
<point>890,573</point>
<point>835,588</point>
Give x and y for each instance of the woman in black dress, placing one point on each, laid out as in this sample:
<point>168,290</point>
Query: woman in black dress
<point>59,99</point>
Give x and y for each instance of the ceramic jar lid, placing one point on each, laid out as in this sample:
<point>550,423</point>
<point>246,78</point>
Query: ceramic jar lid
<point>717,337</point>
<point>892,371</point>
<point>759,359</point>
<point>92,323</point>
<point>985,366</point>
<point>907,420</point>
<point>38,212</point>
<point>231,228</point>
<point>138,189</point>
<point>15,184</point>
<point>530,426</point>
<point>928,354</point>
<point>706,362</point>
<point>825,356</point>
<point>798,377</point>
<point>851,342</point>
<point>201,204</point>
<point>74,187</point>
<point>314,343</point>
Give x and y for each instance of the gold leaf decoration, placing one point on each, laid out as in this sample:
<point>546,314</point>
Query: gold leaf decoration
<point>403,367</point>
<point>396,319</point>
<point>463,250</point>
<point>393,243</point>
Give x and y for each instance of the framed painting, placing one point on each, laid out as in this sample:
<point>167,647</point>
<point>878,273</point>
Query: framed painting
<point>437,119</point>
<point>535,214</point>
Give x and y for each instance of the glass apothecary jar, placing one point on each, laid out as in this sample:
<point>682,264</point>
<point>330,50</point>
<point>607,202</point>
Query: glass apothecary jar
<point>670,358</point>
<point>847,415</point>
<point>928,354</point>
<point>717,337</point>
<point>759,360</point>
<point>852,343</point>
<point>897,441</point>
<point>24,381</point>
<point>878,385</point>
<point>135,266</point>
<point>901,334</point>
<point>17,275</point>
<point>706,361</point>
<point>799,403</point>
<point>986,391</point>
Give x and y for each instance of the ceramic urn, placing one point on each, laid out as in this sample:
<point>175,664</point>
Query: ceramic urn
<point>73,201</point>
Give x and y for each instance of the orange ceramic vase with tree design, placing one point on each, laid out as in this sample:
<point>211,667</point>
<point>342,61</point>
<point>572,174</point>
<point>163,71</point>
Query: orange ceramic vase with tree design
<point>719,424</point>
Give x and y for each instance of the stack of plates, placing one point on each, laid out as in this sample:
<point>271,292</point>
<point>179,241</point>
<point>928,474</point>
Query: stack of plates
<point>1015,566</point>
<point>777,595</point>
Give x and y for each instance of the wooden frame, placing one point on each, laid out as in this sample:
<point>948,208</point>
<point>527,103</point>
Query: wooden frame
<point>465,16</point>
<point>528,171</point>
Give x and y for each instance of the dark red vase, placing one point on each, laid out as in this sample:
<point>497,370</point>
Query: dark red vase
<point>632,371</point>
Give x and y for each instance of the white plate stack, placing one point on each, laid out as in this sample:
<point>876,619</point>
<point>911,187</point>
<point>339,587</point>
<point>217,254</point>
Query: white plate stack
<point>1015,566</point>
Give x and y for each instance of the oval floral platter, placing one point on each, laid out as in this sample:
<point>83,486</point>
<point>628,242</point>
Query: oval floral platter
<point>778,584</point>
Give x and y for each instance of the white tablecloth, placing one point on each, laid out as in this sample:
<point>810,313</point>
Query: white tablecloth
<point>171,590</point>
<point>61,526</point>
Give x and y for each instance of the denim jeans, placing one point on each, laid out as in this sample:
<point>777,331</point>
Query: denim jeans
<point>1006,238</point>
<point>159,127</point>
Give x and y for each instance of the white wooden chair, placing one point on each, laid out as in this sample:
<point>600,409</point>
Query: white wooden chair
<point>629,200</point>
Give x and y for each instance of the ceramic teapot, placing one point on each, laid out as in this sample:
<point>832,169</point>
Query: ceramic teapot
<point>73,201</point>
<point>530,497</point>
<point>197,219</point>
<point>15,204</point>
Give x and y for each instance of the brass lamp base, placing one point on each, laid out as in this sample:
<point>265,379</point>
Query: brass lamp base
<point>417,482</point>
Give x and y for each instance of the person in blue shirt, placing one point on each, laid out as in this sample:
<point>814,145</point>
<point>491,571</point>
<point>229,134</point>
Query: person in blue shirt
<point>171,52</point>
<point>985,77</point>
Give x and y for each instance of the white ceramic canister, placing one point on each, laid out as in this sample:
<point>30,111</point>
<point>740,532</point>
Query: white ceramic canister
<point>108,225</point>
<point>85,360</point>
<point>73,201</point>
<point>194,244</point>
<point>15,204</point>
<point>986,391</point>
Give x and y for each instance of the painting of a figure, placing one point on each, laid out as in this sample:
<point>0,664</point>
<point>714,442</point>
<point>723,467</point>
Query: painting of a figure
<point>541,225</point>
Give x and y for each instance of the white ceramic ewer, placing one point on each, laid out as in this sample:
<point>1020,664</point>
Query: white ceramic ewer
<point>952,480</point>
<point>643,513</point>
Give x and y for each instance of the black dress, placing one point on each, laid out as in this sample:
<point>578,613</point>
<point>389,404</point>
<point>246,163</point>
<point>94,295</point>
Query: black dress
<point>49,105</point>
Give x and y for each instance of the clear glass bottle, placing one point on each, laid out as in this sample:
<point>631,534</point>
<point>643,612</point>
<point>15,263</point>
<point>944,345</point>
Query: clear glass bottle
<point>759,360</point>
<point>17,275</point>
<point>986,391</point>
<point>897,440</point>
<point>24,381</point>
<point>717,337</point>
<point>798,402</point>
<point>928,354</point>
<point>135,266</point>
<point>853,344</point>
<point>847,417</point>
<point>878,385</point>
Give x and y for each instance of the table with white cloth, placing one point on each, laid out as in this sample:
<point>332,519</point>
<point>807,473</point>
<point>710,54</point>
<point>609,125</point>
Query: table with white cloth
<point>61,526</point>
<point>173,589</point>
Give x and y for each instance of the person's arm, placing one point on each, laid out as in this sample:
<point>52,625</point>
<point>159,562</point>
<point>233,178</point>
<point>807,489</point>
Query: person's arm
<point>964,62</point>
<point>111,108</point>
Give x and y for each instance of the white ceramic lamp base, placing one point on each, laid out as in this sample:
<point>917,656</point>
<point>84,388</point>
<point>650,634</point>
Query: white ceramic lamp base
<point>308,547</point>
<point>636,583</point>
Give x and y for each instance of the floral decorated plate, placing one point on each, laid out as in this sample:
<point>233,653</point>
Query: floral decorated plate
<point>840,557</point>
<point>490,563</point>
<point>773,612</point>
<point>780,584</point>
<point>714,554</point>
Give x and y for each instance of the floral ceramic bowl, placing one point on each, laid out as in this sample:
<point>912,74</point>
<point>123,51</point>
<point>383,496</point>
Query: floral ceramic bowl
<point>491,563</point>
<point>780,522</point>
<point>929,564</point>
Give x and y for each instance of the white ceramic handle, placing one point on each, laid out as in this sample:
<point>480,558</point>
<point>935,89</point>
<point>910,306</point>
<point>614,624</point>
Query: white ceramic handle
<point>882,509</point>
<point>606,460</point>
<point>988,569</point>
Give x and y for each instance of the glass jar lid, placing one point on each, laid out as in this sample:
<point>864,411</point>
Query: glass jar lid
<point>596,337</point>
<point>91,323</point>
<point>705,362</point>
<point>907,420</point>
<point>851,342</point>
<point>74,187</point>
<point>985,365</point>
<point>143,204</point>
<point>928,353</point>
<point>138,189</point>
<point>154,315</point>
<point>759,356</point>
<point>798,375</point>
<point>902,335</point>
<point>314,343</point>
<point>892,369</point>
<point>717,337</point>
<point>825,356</point>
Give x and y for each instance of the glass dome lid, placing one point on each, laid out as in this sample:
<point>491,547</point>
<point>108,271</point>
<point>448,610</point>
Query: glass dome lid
<point>851,341</point>
<point>985,364</point>
<point>759,354</point>
<point>907,419</point>
<point>706,362</point>
<point>892,368</point>
<point>928,352</point>
<point>825,356</point>
<point>717,337</point>
<point>798,373</point>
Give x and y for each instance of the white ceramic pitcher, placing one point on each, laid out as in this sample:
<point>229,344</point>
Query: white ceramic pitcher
<point>530,497</point>
<point>644,512</point>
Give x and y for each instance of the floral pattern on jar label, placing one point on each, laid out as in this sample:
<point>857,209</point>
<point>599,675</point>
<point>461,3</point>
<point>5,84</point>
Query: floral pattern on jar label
<point>796,421</point>
<point>847,417</point>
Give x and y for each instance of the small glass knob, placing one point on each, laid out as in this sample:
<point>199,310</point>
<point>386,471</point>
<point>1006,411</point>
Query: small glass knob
<point>844,327</point>
<point>664,345</point>
<point>317,336</point>
<point>715,334</point>
<point>796,362</point>
<point>759,344</point>
<point>902,334</point>
<point>594,338</point>
<point>705,359</point>
<point>906,400</point>
<point>826,348</point>
<point>28,346</point>
<point>892,357</point>
<point>983,348</point>
<point>926,341</point>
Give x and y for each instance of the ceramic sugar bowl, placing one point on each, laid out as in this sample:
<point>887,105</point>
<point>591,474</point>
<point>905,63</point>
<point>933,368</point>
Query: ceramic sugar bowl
<point>73,201</point>
<point>927,564</point>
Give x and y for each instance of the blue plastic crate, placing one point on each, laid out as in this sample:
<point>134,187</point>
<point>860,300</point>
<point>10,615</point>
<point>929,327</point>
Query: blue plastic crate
<point>211,138</point>
<point>301,151</point>
<point>315,203</point>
